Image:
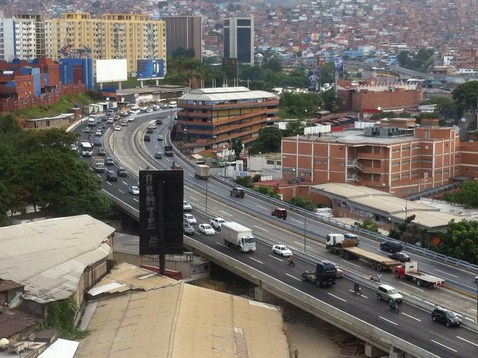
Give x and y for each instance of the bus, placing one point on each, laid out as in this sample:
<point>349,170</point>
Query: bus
<point>86,149</point>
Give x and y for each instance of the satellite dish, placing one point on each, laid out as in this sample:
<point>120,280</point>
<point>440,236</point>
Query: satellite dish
<point>4,343</point>
<point>463,119</point>
<point>31,337</point>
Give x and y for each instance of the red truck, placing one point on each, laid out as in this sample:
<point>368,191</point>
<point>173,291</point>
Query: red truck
<point>410,270</point>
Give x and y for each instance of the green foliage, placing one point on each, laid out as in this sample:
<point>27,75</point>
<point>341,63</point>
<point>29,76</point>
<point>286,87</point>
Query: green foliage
<point>421,61</point>
<point>273,64</point>
<point>183,52</point>
<point>39,168</point>
<point>465,96</point>
<point>256,178</point>
<point>466,195</point>
<point>461,241</point>
<point>269,140</point>
<point>61,316</point>
<point>448,110</point>
<point>237,147</point>
<point>267,191</point>
<point>246,182</point>
<point>304,203</point>
<point>368,224</point>
<point>294,128</point>
<point>300,105</point>
<point>65,105</point>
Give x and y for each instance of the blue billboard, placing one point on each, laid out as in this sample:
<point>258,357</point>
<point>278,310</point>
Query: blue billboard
<point>150,69</point>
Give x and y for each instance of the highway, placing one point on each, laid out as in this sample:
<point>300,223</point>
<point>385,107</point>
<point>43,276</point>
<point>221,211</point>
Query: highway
<point>304,236</point>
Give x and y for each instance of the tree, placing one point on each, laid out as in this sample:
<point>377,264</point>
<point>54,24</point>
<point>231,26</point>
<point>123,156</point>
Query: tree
<point>294,127</point>
<point>368,224</point>
<point>466,96</point>
<point>302,202</point>
<point>330,100</point>
<point>461,241</point>
<point>237,147</point>
<point>183,52</point>
<point>5,199</point>
<point>269,140</point>
<point>466,195</point>
<point>273,64</point>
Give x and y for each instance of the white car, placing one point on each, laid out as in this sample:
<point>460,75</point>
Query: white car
<point>282,250</point>
<point>216,223</point>
<point>190,219</point>
<point>187,206</point>
<point>131,119</point>
<point>117,128</point>
<point>206,229</point>
<point>134,190</point>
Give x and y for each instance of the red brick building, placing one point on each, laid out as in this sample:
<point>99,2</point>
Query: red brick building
<point>395,157</point>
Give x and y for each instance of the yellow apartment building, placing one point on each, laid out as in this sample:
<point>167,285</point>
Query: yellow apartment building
<point>113,36</point>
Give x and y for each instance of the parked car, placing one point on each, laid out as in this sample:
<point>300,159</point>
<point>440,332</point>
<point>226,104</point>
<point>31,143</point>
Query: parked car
<point>399,256</point>
<point>134,190</point>
<point>187,206</point>
<point>447,317</point>
<point>280,213</point>
<point>110,120</point>
<point>206,229</point>
<point>98,133</point>
<point>281,250</point>
<point>111,176</point>
<point>188,229</point>
<point>158,155</point>
<point>216,223</point>
<point>190,219</point>
<point>387,292</point>
<point>117,128</point>
<point>97,142</point>
<point>121,172</point>
<point>237,192</point>
<point>109,162</point>
<point>101,151</point>
<point>87,130</point>
<point>391,246</point>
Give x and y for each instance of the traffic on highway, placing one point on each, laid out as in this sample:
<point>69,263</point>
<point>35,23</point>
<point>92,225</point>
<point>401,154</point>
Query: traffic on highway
<point>305,237</point>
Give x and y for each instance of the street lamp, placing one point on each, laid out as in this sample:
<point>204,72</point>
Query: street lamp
<point>305,232</point>
<point>206,195</point>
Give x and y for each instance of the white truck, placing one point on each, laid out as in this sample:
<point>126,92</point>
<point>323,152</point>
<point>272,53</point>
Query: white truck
<point>98,163</point>
<point>202,171</point>
<point>239,236</point>
<point>410,270</point>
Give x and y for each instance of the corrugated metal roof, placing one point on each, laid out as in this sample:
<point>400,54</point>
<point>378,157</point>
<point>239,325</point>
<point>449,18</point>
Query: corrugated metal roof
<point>174,319</point>
<point>49,256</point>
<point>226,94</point>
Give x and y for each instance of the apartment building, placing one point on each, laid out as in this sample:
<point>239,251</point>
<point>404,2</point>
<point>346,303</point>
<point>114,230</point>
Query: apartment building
<point>184,32</point>
<point>396,157</point>
<point>113,36</point>
<point>210,117</point>
<point>23,37</point>
<point>239,39</point>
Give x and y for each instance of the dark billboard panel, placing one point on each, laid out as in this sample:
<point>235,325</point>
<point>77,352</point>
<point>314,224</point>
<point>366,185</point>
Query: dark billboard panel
<point>161,212</point>
<point>150,69</point>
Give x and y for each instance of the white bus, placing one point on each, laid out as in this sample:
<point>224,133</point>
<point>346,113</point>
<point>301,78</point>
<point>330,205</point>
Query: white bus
<point>86,149</point>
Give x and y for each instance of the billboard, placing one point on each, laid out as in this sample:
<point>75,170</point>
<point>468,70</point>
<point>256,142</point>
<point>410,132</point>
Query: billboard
<point>313,78</point>
<point>161,212</point>
<point>111,70</point>
<point>150,69</point>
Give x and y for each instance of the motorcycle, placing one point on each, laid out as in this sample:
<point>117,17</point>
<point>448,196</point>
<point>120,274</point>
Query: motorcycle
<point>357,290</point>
<point>393,307</point>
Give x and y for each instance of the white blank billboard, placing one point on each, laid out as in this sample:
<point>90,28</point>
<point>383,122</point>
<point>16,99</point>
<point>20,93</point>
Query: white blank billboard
<point>111,70</point>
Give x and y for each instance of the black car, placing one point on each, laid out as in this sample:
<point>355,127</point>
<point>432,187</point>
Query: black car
<point>147,138</point>
<point>399,256</point>
<point>97,142</point>
<point>391,246</point>
<point>237,192</point>
<point>448,318</point>
<point>111,176</point>
<point>121,172</point>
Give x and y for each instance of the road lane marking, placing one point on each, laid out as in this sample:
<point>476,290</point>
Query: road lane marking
<point>260,228</point>
<point>256,260</point>
<point>385,319</point>
<point>410,316</point>
<point>226,213</point>
<point>446,273</point>
<point>337,297</point>
<point>121,191</point>
<point>467,341</point>
<point>412,286</point>
<point>440,344</point>
<point>276,258</point>
<point>136,200</point>
<point>261,207</point>
<point>297,221</point>
<point>361,295</point>
<point>349,263</point>
<point>295,278</point>
<point>108,183</point>
<point>193,199</point>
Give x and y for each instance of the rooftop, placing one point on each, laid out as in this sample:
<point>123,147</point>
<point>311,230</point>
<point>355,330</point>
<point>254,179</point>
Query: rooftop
<point>156,316</point>
<point>48,257</point>
<point>226,94</point>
